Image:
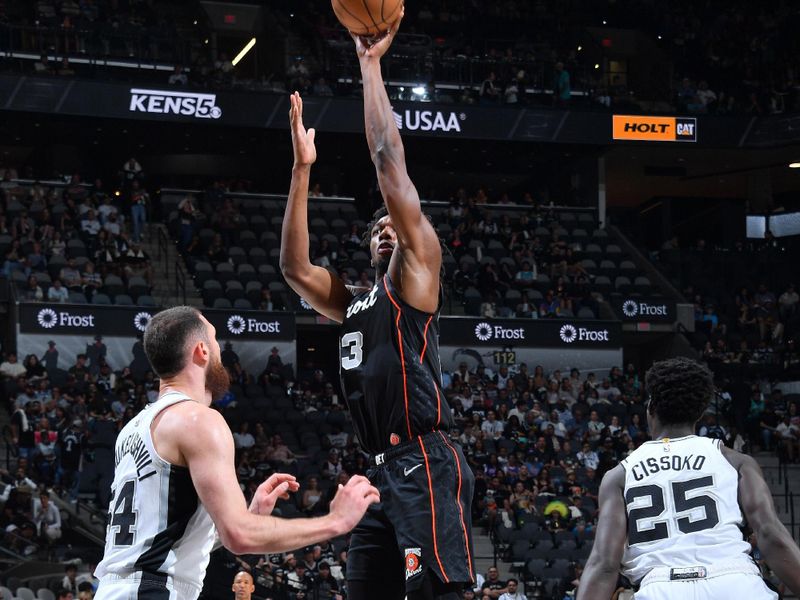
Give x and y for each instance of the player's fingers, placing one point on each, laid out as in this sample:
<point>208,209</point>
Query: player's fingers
<point>311,135</point>
<point>356,479</point>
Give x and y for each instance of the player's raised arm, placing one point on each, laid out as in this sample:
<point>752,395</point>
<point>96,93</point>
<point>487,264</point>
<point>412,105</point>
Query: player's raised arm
<point>323,290</point>
<point>420,254</point>
<point>599,579</point>
<point>776,544</point>
<point>204,441</point>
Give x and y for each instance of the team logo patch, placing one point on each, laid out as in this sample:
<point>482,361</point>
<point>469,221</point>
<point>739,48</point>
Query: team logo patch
<point>413,564</point>
<point>394,439</point>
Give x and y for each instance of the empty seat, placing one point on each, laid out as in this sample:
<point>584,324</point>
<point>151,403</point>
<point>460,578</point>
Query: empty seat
<point>242,304</point>
<point>101,299</point>
<point>145,300</point>
<point>77,298</point>
<point>222,303</point>
<point>123,300</point>
<point>24,593</point>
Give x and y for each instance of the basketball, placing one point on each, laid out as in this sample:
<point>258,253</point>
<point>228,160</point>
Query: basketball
<point>367,17</point>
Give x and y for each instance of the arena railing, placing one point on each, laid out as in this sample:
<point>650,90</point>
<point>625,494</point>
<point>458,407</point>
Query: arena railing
<point>147,50</point>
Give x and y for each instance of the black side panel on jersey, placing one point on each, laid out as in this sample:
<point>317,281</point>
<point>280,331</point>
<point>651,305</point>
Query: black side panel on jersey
<point>182,503</point>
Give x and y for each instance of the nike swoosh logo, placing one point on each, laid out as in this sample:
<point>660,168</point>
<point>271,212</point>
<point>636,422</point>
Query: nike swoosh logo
<point>408,471</point>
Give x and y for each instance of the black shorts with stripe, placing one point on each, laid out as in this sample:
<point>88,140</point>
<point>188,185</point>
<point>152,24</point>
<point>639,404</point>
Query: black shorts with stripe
<point>423,521</point>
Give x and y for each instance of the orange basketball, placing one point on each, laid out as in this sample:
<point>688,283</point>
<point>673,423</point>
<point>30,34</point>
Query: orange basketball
<point>367,17</point>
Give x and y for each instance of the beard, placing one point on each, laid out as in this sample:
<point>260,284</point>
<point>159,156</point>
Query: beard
<point>217,379</point>
<point>382,265</point>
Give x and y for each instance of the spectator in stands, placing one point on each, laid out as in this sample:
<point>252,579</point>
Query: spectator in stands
<point>178,77</point>
<point>490,93</point>
<point>332,465</point>
<point>493,586</point>
<point>562,91</point>
<point>788,436</point>
<point>43,66</point>
<point>131,171</point>
<point>70,580</point>
<point>279,452</point>
<point>243,438</point>
<point>11,368</point>
<point>321,88</point>
<point>139,199</point>
<point>188,213</point>
<point>550,305</point>
<point>48,519</point>
<point>33,291</point>
<point>64,595</point>
<point>788,302</point>
<point>512,592</point>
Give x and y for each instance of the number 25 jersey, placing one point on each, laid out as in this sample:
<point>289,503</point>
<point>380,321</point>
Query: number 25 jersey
<point>390,369</point>
<point>681,497</point>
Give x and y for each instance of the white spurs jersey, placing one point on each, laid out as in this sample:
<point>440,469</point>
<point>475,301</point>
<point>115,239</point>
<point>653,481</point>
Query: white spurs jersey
<point>681,496</point>
<point>157,525</point>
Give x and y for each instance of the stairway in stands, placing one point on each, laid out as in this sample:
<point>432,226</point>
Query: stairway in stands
<point>165,259</point>
<point>784,483</point>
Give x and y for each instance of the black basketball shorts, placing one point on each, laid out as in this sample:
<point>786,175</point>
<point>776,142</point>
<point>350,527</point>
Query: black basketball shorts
<point>423,521</point>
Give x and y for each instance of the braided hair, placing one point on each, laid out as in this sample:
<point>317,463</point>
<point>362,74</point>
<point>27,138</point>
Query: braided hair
<point>680,390</point>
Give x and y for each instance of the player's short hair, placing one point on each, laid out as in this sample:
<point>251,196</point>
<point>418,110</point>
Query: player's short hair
<point>167,335</point>
<point>680,389</point>
<point>382,212</point>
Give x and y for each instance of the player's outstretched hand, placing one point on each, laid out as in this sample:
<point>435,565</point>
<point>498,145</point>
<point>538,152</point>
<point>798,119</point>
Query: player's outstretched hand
<point>305,152</point>
<point>352,501</point>
<point>375,47</point>
<point>277,486</point>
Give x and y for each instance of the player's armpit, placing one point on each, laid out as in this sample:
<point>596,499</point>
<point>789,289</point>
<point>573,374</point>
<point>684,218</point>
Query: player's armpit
<point>323,290</point>
<point>599,579</point>
<point>207,446</point>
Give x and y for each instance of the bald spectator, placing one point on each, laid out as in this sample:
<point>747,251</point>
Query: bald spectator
<point>243,586</point>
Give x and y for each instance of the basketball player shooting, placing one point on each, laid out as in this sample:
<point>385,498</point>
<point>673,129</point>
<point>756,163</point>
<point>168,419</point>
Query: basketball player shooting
<point>671,513</point>
<point>175,486</point>
<point>416,543</point>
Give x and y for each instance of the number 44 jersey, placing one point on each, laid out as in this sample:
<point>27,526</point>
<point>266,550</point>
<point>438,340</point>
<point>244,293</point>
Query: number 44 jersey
<point>157,526</point>
<point>681,496</point>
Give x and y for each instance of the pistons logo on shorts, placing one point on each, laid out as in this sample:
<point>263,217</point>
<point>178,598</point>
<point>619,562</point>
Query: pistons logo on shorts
<point>394,439</point>
<point>413,564</point>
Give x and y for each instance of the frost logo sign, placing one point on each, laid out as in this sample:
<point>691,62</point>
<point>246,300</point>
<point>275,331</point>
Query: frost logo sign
<point>570,333</point>
<point>49,318</point>
<point>238,325</point>
<point>644,309</point>
<point>429,120</point>
<point>166,102</point>
<point>486,331</point>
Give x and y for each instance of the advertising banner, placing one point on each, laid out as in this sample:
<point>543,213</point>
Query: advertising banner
<point>653,309</point>
<point>655,129</point>
<point>552,343</point>
<point>252,334</point>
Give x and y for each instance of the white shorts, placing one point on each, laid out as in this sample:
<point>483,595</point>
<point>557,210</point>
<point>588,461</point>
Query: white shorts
<point>131,587</point>
<point>744,582</point>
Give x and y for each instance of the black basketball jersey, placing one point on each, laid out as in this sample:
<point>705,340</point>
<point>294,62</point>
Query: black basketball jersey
<point>390,369</point>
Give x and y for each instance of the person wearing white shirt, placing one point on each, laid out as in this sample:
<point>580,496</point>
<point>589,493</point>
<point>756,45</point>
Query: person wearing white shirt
<point>512,593</point>
<point>243,438</point>
<point>47,518</point>
<point>11,367</point>
<point>491,427</point>
<point>789,435</point>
